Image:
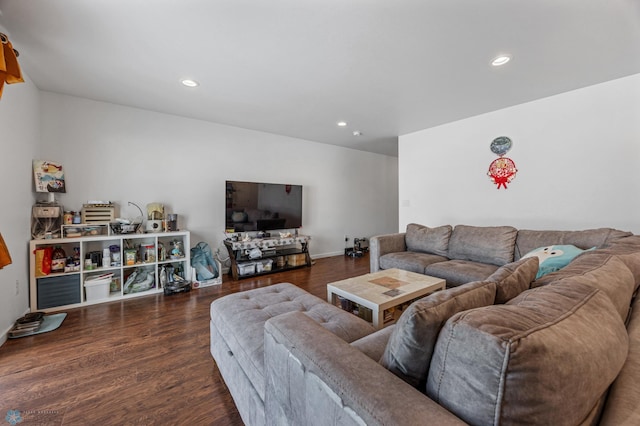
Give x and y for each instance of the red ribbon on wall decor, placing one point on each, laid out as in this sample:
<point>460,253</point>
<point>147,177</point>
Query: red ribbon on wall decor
<point>9,69</point>
<point>502,171</point>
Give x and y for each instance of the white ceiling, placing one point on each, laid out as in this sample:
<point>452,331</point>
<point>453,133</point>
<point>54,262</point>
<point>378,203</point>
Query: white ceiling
<point>296,67</point>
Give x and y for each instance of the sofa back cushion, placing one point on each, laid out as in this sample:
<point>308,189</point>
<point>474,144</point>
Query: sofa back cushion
<point>547,356</point>
<point>622,406</point>
<point>423,239</point>
<point>604,271</point>
<point>410,346</point>
<point>628,250</point>
<point>531,239</point>
<point>485,244</point>
<point>514,278</point>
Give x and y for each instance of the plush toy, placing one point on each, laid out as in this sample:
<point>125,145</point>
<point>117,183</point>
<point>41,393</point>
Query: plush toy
<point>554,258</point>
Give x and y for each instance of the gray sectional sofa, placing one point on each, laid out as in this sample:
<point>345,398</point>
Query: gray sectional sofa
<point>505,349</point>
<point>469,253</point>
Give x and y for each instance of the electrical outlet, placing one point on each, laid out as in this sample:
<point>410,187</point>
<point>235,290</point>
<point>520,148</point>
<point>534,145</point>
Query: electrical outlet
<point>17,287</point>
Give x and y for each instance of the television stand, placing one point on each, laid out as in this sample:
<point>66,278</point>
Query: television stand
<point>276,255</point>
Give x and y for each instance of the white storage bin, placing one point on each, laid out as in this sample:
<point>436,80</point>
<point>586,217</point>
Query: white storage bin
<point>97,288</point>
<point>246,268</point>
<point>267,264</point>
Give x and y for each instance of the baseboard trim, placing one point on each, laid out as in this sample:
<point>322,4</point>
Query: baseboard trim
<point>5,334</point>
<point>319,256</point>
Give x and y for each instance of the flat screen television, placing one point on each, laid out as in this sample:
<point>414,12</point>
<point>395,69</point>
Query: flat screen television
<point>258,206</point>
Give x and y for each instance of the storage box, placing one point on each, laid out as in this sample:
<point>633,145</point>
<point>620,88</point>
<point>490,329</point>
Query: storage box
<point>297,259</point>
<point>195,283</point>
<point>58,291</point>
<point>246,268</point>
<point>97,289</point>
<point>264,265</point>
<point>98,213</point>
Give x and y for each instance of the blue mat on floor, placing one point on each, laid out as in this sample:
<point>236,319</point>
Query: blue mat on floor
<point>49,323</point>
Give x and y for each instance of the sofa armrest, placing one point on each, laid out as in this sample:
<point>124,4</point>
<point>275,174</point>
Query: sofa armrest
<point>383,244</point>
<point>315,378</point>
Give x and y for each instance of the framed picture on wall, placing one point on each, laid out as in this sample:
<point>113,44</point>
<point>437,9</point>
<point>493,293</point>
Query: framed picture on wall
<point>48,176</point>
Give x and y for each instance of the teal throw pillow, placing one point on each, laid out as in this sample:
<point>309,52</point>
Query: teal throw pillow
<point>554,258</point>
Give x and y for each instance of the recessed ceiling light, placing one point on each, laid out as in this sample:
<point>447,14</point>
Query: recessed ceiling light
<point>190,83</point>
<point>500,60</point>
<point>341,123</point>
<point>357,133</point>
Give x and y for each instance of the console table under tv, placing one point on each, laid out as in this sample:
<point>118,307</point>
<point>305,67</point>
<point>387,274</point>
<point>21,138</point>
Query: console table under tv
<point>276,254</point>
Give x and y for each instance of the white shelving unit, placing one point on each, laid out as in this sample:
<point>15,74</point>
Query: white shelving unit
<point>57,291</point>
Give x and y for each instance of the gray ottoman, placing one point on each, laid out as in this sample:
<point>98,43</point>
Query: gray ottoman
<point>237,337</point>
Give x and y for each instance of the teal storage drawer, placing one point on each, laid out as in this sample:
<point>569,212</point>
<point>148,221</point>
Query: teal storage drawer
<point>58,291</point>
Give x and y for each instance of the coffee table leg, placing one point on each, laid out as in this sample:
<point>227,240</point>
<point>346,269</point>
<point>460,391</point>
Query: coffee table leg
<point>377,317</point>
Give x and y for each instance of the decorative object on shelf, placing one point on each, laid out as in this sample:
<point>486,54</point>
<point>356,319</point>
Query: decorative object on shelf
<point>123,226</point>
<point>9,68</point>
<point>127,226</point>
<point>49,176</point>
<point>501,170</point>
<point>172,222</point>
<point>177,252</point>
<point>155,216</point>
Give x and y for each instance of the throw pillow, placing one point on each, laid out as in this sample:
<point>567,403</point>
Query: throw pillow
<point>554,258</point>
<point>514,278</point>
<point>408,352</point>
<point>546,357</point>
<point>428,240</point>
<point>484,244</point>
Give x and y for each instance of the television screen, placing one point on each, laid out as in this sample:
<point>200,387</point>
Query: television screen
<point>256,206</point>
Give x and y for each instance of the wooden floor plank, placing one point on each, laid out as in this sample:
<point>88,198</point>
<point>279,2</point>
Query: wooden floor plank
<point>140,361</point>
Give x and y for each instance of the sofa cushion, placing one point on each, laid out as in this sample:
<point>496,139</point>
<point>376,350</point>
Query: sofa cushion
<point>514,278</point>
<point>485,244</point>
<point>528,239</point>
<point>626,249</point>
<point>408,352</point>
<point>457,272</point>
<point>247,312</point>
<point>554,258</point>
<point>428,240</point>
<point>546,356</point>
<point>600,270</point>
<point>409,261</point>
<point>622,406</point>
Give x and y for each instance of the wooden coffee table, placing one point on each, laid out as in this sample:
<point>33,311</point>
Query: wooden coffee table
<point>381,296</point>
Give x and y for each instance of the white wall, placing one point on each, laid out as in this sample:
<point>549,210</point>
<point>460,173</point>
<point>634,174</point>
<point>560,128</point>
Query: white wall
<point>19,109</point>
<point>577,154</point>
<point>121,154</point>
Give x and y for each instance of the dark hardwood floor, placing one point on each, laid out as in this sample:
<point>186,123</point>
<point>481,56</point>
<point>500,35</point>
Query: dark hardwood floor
<point>142,361</point>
